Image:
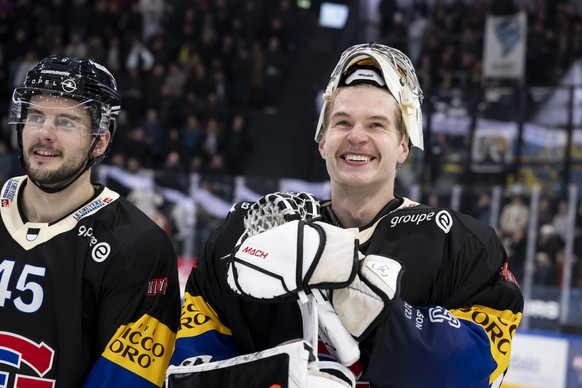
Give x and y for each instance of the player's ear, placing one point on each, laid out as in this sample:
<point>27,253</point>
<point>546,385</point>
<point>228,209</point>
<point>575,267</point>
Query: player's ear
<point>320,147</point>
<point>102,144</point>
<point>404,150</point>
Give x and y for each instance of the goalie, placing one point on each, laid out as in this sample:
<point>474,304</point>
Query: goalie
<point>408,295</point>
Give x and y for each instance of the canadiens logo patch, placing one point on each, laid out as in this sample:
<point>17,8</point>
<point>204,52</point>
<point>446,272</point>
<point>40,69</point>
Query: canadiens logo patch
<point>17,350</point>
<point>5,202</point>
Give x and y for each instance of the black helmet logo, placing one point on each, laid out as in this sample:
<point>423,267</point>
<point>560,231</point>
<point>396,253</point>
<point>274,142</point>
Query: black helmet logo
<point>69,85</point>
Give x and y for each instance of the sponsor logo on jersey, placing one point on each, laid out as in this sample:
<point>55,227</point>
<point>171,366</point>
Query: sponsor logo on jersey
<point>157,287</point>
<point>198,317</point>
<point>101,251</point>
<point>91,207</point>
<point>442,219</point>
<point>9,192</point>
<point>508,275</point>
<point>143,347</point>
<point>16,350</point>
<point>500,326</point>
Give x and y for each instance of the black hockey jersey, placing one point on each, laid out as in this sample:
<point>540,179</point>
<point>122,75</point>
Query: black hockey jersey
<point>452,325</point>
<point>89,300</point>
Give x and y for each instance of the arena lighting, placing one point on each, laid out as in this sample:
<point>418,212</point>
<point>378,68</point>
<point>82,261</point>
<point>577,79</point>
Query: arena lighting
<point>304,4</point>
<point>333,15</point>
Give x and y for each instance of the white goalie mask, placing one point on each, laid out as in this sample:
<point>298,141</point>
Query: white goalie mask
<point>397,75</point>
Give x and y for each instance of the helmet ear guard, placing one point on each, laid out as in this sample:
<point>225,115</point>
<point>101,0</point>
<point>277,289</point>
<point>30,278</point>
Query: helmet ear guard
<point>396,73</point>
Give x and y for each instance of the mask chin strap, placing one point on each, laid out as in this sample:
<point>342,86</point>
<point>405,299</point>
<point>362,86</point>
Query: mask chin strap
<point>55,189</point>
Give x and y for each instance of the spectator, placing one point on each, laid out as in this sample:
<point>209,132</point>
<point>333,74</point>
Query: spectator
<point>560,220</point>
<point>516,247</point>
<point>273,73</point>
<point>173,174</point>
<point>387,10</point>
<point>545,211</point>
<point>214,139</point>
<point>140,57</point>
<point>76,48</point>
<point>416,30</point>
<point>238,146</point>
<point>152,12</point>
<point>547,249</point>
<point>483,209</point>
<point>192,137</point>
<point>514,216</point>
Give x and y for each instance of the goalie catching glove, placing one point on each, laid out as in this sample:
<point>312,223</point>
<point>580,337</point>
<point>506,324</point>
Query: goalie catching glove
<point>296,256</point>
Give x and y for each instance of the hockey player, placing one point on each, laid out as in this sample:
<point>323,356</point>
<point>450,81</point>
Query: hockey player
<point>429,297</point>
<point>89,292</point>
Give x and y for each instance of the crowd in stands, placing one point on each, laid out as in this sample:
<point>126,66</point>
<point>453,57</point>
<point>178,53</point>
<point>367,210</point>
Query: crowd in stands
<point>444,38</point>
<point>190,71</point>
<point>512,222</point>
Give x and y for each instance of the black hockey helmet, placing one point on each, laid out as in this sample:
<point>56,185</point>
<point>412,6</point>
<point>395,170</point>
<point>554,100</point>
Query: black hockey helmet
<point>79,79</point>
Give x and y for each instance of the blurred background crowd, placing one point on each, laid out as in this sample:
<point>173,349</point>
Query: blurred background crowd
<point>226,88</point>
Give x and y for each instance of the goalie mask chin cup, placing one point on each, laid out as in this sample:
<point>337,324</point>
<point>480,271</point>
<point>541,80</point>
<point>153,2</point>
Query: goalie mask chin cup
<point>382,66</point>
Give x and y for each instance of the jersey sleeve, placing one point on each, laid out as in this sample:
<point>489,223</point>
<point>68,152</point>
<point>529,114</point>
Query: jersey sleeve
<point>203,327</point>
<point>466,341</point>
<point>138,309</point>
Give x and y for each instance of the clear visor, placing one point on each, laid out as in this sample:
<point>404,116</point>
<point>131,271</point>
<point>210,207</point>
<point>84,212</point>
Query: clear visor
<point>32,109</point>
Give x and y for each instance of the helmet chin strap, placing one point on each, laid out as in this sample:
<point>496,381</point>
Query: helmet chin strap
<point>51,189</point>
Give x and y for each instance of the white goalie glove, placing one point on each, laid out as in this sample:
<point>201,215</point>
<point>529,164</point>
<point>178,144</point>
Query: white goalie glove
<point>286,253</point>
<point>293,257</point>
<point>286,250</point>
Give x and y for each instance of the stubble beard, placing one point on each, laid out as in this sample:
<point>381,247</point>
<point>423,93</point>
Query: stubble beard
<point>53,176</point>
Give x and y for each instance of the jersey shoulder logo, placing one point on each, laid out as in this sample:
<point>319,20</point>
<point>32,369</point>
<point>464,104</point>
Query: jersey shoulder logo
<point>444,220</point>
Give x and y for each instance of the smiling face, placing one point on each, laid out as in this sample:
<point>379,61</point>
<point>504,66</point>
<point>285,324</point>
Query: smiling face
<point>56,138</point>
<point>362,143</point>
